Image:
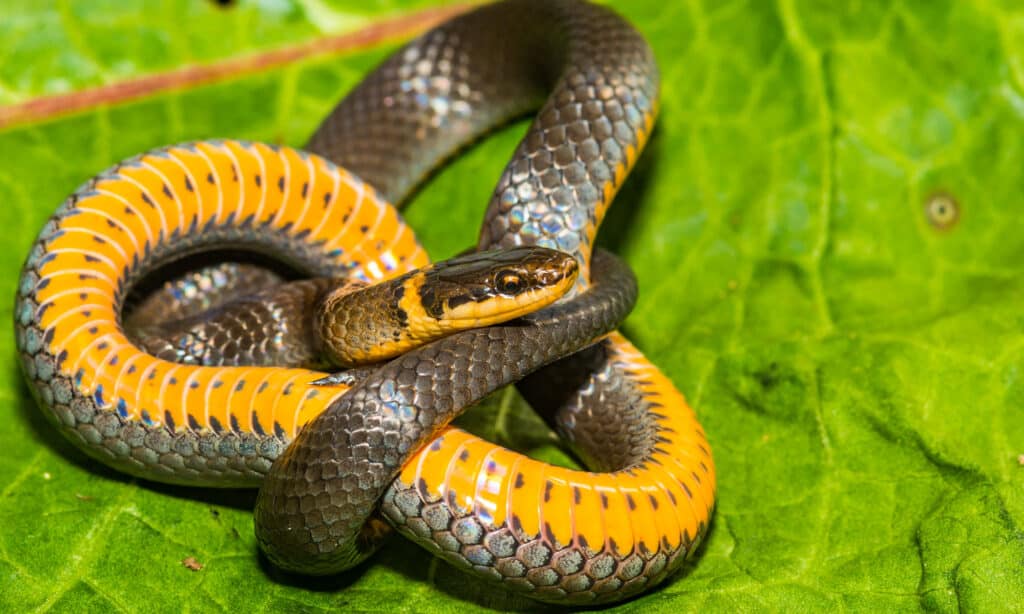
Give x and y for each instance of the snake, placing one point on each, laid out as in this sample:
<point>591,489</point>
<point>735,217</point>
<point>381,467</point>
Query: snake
<point>342,462</point>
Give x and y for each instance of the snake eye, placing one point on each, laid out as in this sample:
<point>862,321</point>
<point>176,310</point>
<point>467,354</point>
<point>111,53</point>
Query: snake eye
<point>509,282</point>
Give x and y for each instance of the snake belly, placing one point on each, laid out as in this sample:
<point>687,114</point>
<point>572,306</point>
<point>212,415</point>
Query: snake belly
<point>557,534</point>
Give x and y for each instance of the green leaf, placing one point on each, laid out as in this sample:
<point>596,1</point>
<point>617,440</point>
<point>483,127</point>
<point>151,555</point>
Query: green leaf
<point>856,358</point>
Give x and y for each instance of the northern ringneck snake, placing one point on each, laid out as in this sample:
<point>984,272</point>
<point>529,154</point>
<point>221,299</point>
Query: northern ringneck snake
<point>341,459</point>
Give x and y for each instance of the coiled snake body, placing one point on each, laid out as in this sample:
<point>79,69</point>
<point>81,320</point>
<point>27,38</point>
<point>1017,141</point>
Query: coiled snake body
<point>338,455</point>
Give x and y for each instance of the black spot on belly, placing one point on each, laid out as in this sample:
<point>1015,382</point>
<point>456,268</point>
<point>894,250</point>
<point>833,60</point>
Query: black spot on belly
<point>549,534</point>
<point>615,546</point>
<point>583,542</point>
<point>256,426</point>
<point>517,526</point>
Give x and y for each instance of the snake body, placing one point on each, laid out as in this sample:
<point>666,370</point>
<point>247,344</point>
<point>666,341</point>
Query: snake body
<point>557,534</point>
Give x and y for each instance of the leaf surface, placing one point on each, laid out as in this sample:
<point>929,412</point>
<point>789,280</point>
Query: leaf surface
<point>853,348</point>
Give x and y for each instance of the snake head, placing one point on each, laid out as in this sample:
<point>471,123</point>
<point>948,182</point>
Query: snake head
<point>485,288</point>
<point>358,326</point>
